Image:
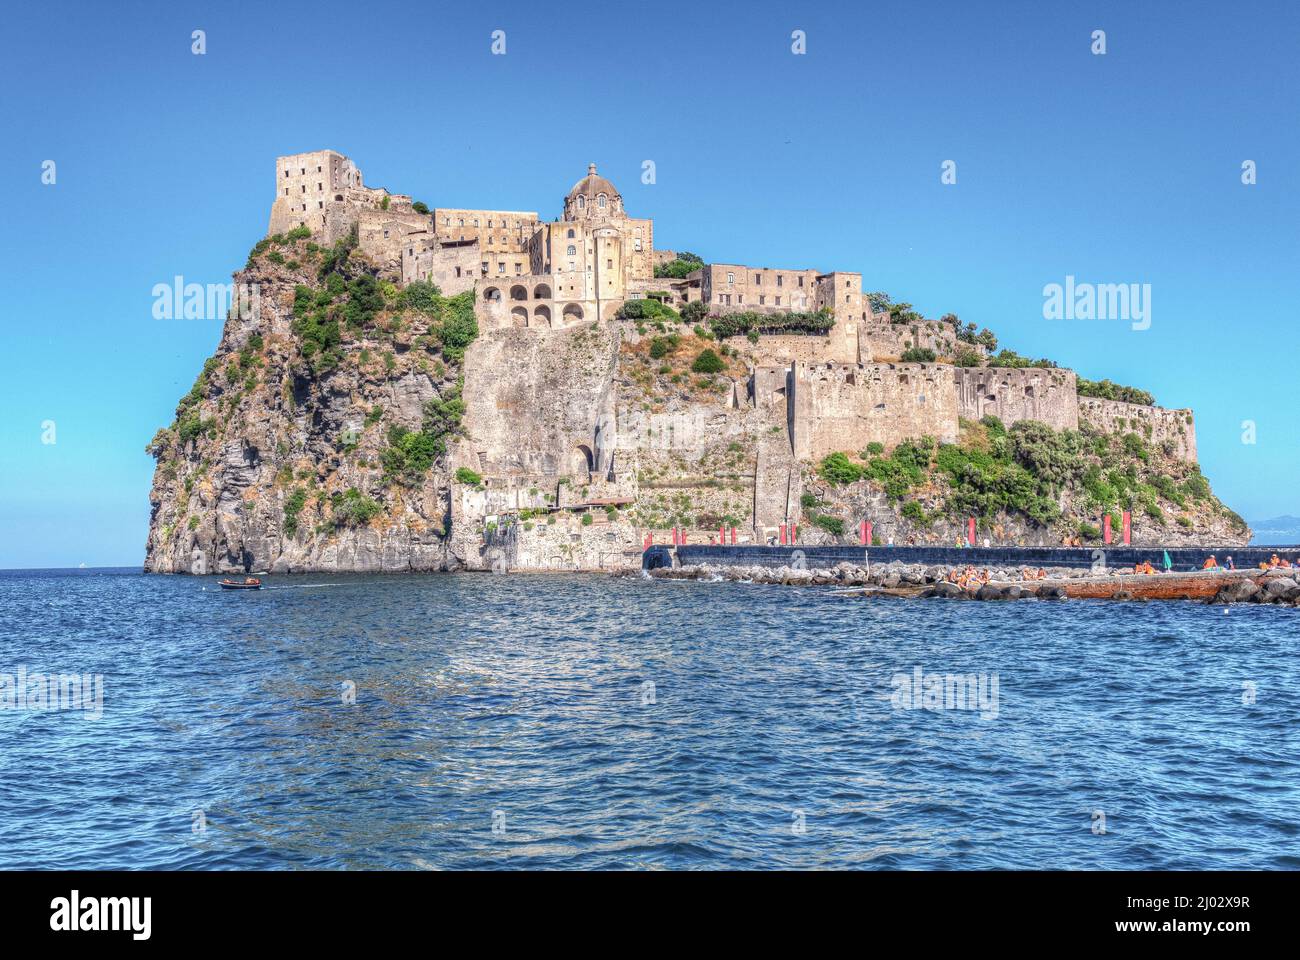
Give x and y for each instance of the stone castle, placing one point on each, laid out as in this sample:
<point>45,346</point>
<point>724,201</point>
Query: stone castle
<point>840,392</point>
<point>582,442</point>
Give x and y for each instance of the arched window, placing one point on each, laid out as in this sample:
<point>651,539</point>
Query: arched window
<point>600,201</point>
<point>582,203</point>
<point>572,250</point>
<point>570,234</point>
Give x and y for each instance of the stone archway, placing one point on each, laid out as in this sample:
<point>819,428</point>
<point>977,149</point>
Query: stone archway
<point>518,292</point>
<point>541,292</point>
<point>573,313</point>
<point>519,316</point>
<point>542,315</point>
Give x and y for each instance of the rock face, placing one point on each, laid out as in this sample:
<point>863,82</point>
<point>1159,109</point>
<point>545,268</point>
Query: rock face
<point>260,424</point>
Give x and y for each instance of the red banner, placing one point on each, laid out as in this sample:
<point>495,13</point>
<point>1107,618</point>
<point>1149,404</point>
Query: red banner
<point>970,531</point>
<point>1105,529</point>
<point>1128,528</point>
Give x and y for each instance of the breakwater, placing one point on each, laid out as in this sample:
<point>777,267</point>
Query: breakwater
<point>826,557</point>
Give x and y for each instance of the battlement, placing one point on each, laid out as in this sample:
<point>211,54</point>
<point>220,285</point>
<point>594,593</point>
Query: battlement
<point>1046,394</point>
<point>845,406</point>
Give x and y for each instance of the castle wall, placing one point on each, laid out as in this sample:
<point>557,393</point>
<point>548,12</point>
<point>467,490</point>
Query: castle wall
<point>881,340</point>
<point>1048,395</point>
<point>846,406</point>
<point>384,235</point>
<point>452,267</point>
<point>1156,425</point>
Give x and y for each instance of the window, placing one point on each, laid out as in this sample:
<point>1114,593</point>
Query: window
<point>801,281</point>
<point>519,269</point>
<point>778,301</point>
<point>573,251</point>
<point>762,300</point>
<point>638,243</point>
<point>286,191</point>
<point>319,186</point>
<point>582,203</point>
<point>286,173</point>
<point>600,201</point>
<point>609,264</point>
<point>462,222</point>
<point>476,221</point>
<point>731,277</point>
<point>501,267</point>
<point>318,169</point>
<point>758,280</point>
<point>570,234</point>
<point>779,278</point>
<point>489,224</point>
<point>485,266</point>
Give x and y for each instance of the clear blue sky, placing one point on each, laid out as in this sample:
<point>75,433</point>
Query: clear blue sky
<point>1116,168</point>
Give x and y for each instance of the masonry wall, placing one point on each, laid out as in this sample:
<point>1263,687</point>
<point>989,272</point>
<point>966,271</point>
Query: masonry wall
<point>1012,394</point>
<point>1172,430</point>
<point>847,406</point>
<point>878,339</point>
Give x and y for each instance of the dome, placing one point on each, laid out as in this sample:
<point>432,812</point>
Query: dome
<point>592,185</point>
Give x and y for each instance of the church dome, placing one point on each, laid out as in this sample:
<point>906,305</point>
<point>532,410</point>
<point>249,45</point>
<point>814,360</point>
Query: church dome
<point>592,185</point>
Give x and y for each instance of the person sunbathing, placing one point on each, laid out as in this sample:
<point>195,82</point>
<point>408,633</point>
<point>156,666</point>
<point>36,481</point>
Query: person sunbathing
<point>1210,563</point>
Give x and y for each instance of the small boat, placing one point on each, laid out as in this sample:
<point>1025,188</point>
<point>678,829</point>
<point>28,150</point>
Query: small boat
<point>248,583</point>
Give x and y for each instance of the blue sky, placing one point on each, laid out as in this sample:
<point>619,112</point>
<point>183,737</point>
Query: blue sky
<point>1117,168</point>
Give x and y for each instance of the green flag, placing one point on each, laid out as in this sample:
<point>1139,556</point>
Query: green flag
<point>1168,563</point>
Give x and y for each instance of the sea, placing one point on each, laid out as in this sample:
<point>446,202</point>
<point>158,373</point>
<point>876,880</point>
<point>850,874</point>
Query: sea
<point>578,722</point>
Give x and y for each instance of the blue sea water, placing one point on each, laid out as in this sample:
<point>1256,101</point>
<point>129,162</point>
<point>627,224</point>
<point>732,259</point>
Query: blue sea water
<point>592,722</point>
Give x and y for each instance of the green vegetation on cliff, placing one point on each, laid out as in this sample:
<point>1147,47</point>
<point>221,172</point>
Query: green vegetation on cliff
<point>1106,390</point>
<point>1031,471</point>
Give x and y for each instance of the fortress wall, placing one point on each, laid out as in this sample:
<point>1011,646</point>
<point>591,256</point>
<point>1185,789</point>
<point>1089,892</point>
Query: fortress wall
<point>1011,394</point>
<point>847,406</point>
<point>453,268</point>
<point>383,235</point>
<point>784,349</point>
<point>1156,425</point>
<point>878,339</point>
